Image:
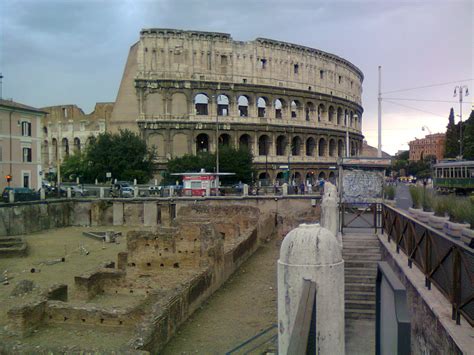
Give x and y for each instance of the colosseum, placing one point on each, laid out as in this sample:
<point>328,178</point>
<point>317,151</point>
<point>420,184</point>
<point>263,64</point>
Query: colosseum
<point>291,105</point>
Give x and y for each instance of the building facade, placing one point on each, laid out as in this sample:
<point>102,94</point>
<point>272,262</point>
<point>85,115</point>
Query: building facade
<point>291,105</point>
<point>20,145</point>
<point>67,130</point>
<point>432,144</point>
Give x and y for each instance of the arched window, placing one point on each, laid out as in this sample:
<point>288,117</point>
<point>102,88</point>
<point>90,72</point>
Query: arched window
<point>264,178</point>
<point>296,146</point>
<point>225,140</point>
<point>77,145</point>
<point>245,142</point>
<point>295,107</point>
<point>322,175</point>
<point>352,119</point>
<point>339,115</point>
<point>202,143</point>
<point>353,149</point>
<point>309,111</point>
<point>55,149</point>
<point>310,145</point>
<point>345,117</point>
<point>332,148</point>
<point>340,148</point>
<point>223,105</point>
<point>45,130</point>
<point>332,177</point>
<point>243,103</point>
<point>322,147</point>
<point>296,177</point>
<point>331,114</point>
<point>310,177</point>
<point>65,144</point>
<point>263,145</point>
<point>280,177</point>
<point>321,112</point>
<point>281,143</point>
<point>201,103</point>
<point>278,108</point>
<point>261,106</point>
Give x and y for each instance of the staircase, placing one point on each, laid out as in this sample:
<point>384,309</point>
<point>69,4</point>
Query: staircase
<point>360,253</point>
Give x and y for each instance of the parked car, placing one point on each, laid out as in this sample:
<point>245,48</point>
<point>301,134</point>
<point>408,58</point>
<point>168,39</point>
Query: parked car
<point>155,190</point>
<point>126,191</point>
<point>20,194</point>
<point>79,191</point>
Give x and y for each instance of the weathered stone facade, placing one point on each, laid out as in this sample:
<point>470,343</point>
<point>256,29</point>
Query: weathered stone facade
<point>67,130</point>
<point>290,104</point>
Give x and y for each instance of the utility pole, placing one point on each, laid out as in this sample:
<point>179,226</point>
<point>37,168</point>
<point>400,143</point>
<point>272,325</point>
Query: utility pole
<point>463,89</point>
<point>348,149</point>
<point>1,86</point>
<point>379,148</point>
<point>217,144</point>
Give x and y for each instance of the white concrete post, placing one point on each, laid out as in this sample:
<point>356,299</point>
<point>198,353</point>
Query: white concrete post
<point>77,180</point>
<point>11,196</point>
<point>284,189</point>
<point>134,182</point>
<point>171,191</point>
<point>246,190</point>
<point>310,252</point>
<point>329,211</point>
<point>135,191</point>
<point>68,192</point>
<point>101,192</point>
<point>96,182</point>
<point>156,182</point>
<point>42,194</point>
<point>208,190</point>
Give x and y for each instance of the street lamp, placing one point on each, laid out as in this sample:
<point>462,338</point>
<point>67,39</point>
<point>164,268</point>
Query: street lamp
<point>216,97</point>
<point>426,128</point>
<point>463,89</point>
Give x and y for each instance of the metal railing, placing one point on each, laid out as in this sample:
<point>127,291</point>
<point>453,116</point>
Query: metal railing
<point>445,261</point>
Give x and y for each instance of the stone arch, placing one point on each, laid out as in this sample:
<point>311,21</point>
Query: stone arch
<point>310,177</point>
<point>262,103</point>
<point>245,142</point>
<point>321,112</point>
<point>279,106</point>
<point>264,177</point>
<point>353,149</point>
<point>296,177</point>
<point>77,145</point>
<point>332,148</point>
<point>157,140</point>
<point>340,148</point>
<point>322,147</point>
<point>154,104</point>
<point>202,143</point>
<point>201,104</point>
<point>179,104</point>
<point>280,177</point>
<point>180,145</point>
<point>54,143</point>
<point>332,177</point>
<point>295,108</point>
<point>223,103</point>
<point>339,116</point>
<point>309,111</point>
<point>296,146</point>
<point>322,175</point>
<point>243,103</point>
<point>225,140</point>
<point>264,145</point>
<point>351,115</point>
<point>45,151</point>
<point>65,147</point>
<point>331,114</point>
<point>345,117</point>
<point>281,143</point>
<point>310,146</point>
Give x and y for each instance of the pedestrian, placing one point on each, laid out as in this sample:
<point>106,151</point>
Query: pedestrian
<point>302,188</point>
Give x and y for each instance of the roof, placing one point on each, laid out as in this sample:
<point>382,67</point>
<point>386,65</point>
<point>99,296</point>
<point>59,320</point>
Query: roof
<point>447,164</point>
<point>16,105</point>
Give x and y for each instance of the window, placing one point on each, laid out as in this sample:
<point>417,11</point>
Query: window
<point>340,79</point>
<point>26,129</point>
<point>223,60</point>
<point>26,155</point>
<point>321,74</point>
<point>263,63</point>
<point>295,68</point>
<point>65,112</point>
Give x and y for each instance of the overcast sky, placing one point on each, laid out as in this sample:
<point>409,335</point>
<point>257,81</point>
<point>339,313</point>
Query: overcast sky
<point>74,51</point>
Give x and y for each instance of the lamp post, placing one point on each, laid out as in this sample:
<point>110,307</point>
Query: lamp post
<point>217,143</point>
<point>463,89</point>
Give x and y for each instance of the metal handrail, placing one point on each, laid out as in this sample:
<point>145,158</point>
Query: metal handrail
<point>445,261</point>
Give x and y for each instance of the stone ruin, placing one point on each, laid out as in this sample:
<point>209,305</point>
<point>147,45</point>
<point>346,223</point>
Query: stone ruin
<point>164,275</point>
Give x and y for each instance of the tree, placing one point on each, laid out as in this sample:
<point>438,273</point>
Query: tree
<point>452,137</point>
<point>238,161</point>
<point>123,154</point>
<point>468,142</point>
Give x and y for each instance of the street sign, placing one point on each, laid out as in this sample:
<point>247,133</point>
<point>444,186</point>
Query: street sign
<point>283,167</point>
<point>108,175</point>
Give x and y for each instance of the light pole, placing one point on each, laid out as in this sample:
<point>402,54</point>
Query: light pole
<point>379,147</point>
<point>217,143</point>
<point>463,89</point>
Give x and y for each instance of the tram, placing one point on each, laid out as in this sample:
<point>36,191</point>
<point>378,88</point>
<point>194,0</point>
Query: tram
<point>454,176</point>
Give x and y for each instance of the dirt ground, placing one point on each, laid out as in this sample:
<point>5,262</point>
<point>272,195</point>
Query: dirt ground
<point>242,308</point>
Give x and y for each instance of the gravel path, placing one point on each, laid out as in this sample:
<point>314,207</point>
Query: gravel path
<point>243,307</point>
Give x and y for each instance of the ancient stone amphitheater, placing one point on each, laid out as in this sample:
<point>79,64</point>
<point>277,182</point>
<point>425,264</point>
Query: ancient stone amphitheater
<point>291,105</point>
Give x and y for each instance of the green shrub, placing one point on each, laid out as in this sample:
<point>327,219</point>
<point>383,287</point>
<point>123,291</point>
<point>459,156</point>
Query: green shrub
<point>389,192</point>
<point>427,197</point>
<point>415,194</point>
<point>460,210</point>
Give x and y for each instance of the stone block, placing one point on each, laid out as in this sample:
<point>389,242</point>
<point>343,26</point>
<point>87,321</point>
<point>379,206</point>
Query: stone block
<point>150,214</point>
<point>118,208</point>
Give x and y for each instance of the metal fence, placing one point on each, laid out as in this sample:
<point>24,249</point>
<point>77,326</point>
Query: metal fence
<point>445,261</point>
